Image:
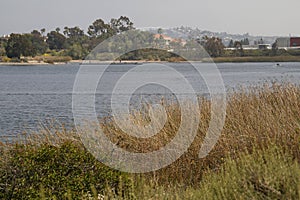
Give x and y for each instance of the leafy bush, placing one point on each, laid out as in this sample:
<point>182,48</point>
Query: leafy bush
<point>268,174</point>
<point>15,60</point>
<point>5,59</point>
<point>294,52</point>
<point>67,169</point>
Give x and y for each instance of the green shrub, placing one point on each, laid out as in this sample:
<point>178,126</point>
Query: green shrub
<point>60,171</point>
<point>15,60</point>
<point>294,52</point>
<point>5,59</point>
<point>53,59</point>
<point>269,174</point>
<point>57,59</point>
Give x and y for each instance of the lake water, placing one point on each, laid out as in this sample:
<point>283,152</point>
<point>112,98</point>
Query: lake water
<point>31,96</point>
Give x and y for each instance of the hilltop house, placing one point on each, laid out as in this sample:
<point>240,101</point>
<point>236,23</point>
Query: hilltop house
<point>168,39</point>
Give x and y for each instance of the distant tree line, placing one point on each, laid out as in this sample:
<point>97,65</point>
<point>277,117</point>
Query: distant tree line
<point>213,45</point>
<point>72,41</point>
<point>238,44</point>
<point>75,43</point>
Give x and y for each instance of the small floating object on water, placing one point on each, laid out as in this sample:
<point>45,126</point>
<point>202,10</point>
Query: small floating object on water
<point>278,65</point>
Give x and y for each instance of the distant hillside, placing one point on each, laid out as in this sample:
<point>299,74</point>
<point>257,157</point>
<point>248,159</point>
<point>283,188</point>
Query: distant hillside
<point>189,33</point>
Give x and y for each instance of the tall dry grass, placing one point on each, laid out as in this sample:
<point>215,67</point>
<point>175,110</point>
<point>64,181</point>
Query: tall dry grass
<point>257,118</point>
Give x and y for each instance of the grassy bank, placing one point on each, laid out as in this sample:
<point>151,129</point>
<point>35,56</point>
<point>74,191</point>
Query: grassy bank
<point>257,157</point>
<point>258,59</point>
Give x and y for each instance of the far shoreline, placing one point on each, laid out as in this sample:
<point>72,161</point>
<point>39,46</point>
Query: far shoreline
<point>260,59</point>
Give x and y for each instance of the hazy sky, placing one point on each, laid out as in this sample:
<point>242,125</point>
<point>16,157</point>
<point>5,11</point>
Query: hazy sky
<point>258,17</point>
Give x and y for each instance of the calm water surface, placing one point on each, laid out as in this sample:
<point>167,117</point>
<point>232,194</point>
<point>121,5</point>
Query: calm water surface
<point>31,96</point>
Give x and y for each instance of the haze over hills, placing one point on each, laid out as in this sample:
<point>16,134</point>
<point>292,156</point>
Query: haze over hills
<point>189,33</point>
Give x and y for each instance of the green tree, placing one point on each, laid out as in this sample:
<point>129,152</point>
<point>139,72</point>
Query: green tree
<point>239,48</point>
<point>56,40</point>
<point>100,28</point>
<point>238,45</point>
<point>261,41</point>
<point>43,31</point>
<point>160,31</point>
<point>38,42</point>
<point>231,44</point>
<point>213,46</point>
<point>121,24</point>
<point>20,45</point>
<point>3,43</point>
<point>76,51</point>
<point>74,34</point>
<point>245,41</point>
<point>274,48</point>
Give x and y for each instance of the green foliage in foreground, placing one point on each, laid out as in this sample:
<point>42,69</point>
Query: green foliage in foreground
<point>62,172</point>
<point>69,172</point>
<point>269,174</point>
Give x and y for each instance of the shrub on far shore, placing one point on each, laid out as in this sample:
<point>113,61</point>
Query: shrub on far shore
<point>53,59</point>
<point>282,58</point>
<point>5,59</point>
